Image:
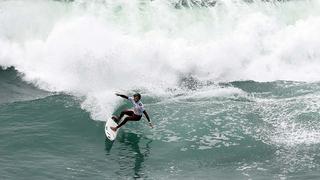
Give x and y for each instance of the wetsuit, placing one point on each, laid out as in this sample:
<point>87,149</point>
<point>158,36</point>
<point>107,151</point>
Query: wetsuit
<point>134,114</point>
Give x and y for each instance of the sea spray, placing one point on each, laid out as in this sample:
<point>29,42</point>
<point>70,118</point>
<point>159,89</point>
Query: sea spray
<point>93,49</point>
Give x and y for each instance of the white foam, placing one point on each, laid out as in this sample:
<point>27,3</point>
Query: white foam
<point>92,49</point>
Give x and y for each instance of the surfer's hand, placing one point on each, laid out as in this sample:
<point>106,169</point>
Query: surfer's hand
<point>117,94</point>
<point>150,124</point>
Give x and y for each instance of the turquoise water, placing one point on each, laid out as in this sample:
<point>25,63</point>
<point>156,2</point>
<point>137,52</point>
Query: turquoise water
<point>231,87</point>
<point>271,133</point>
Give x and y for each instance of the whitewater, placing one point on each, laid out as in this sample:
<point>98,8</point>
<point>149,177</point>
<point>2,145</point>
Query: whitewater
<point>104,46</point>
<point>232,86</point>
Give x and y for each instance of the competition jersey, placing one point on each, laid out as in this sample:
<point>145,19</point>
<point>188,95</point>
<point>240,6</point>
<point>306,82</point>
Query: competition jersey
<point>137,106</point>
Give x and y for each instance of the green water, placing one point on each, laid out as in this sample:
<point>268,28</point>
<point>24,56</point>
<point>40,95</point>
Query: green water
<point>232,88</point>
<point>272,132</point>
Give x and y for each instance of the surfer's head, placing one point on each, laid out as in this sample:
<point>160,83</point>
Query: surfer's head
<point>136,97</point>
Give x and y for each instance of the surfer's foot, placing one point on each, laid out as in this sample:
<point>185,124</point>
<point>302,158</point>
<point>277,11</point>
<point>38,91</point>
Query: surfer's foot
<point>113,128</point>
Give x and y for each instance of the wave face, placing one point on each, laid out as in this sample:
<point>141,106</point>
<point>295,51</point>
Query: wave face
<point>232,88</point>
<point>14,89</point>
<point>239,130</point>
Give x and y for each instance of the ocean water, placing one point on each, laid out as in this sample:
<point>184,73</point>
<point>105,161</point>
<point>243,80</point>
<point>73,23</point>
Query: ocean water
<point>232,88</point>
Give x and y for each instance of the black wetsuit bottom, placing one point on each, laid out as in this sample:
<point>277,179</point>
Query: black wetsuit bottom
<point>131,117</point>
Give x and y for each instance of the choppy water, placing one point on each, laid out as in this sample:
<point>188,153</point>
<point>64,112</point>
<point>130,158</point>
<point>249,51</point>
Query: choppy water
<point>233,89</point>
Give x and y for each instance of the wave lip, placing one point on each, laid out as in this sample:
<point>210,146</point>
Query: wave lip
<point>13,88</point>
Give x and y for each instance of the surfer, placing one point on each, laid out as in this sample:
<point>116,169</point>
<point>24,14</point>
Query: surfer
<point>134,114</point>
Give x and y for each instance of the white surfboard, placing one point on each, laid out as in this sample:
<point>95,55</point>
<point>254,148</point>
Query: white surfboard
<point>111,135</point>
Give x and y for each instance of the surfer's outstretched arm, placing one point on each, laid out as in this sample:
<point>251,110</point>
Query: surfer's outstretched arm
<point>123,96</point>
<point>147,116</point>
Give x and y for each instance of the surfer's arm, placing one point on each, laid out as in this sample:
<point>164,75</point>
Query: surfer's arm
<point>123,96</point>
<point>147,116</point>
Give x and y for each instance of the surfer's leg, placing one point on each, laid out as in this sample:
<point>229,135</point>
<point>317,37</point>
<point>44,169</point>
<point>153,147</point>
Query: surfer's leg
<point>126,112</point>
<point>123,122</point>
<point>129,118</point>
<point>130,113</point>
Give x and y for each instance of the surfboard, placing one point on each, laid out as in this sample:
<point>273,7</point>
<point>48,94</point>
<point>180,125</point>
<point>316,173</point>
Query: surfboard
<point>110,134</point>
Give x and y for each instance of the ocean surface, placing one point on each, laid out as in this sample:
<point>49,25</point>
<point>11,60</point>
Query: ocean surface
<point>232,88</point>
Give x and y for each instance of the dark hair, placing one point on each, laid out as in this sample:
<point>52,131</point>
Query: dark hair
<point>138,95</point>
